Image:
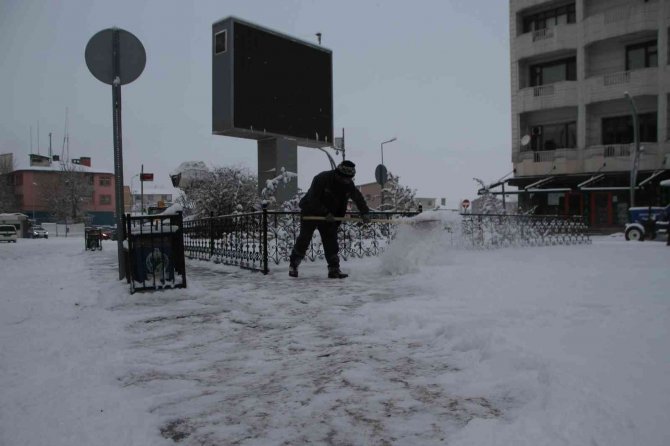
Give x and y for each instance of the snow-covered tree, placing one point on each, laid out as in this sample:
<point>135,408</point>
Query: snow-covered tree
<point>224,190</point>
<point>488,203</point>
<point>397,198</point>
<point>70,191</point>
<point>271,187</point>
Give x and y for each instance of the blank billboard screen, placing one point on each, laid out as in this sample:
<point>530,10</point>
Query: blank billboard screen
<point>281,86</point>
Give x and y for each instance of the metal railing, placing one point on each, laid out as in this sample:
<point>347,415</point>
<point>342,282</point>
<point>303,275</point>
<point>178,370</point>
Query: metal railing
<point>502,230</point>
<point>542,34</point>
<point>620,77</point>
<point>254,240</point>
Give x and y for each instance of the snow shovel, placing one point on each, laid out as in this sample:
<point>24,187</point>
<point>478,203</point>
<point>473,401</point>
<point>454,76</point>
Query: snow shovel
<point>372,220</point>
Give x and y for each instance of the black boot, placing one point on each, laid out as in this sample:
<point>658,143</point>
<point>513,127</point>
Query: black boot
<point>293,270</point>
<point>335,273</point>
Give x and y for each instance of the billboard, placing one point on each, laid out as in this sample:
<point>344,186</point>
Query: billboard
<point>266,84</point>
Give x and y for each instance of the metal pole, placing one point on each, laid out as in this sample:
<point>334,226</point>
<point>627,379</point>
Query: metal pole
<point>142,190</point>
<point>382,184</point>
<point>636,153</point>
<point>381,192</point>
<point>118,152</point>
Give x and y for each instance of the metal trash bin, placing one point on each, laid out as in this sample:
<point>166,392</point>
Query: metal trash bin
<point>93,239</point>
<point>155,252</point>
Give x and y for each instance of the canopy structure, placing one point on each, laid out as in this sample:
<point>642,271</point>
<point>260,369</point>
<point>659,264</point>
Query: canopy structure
<point>598,181</point>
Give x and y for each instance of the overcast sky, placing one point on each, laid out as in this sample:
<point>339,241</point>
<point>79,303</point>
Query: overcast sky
<point>432,73</point>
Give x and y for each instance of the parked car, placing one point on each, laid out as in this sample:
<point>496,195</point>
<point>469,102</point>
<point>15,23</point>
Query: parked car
<point>646,225</point>
<point>107,232</point>
<point>40,232</point>
<point>8,233</point>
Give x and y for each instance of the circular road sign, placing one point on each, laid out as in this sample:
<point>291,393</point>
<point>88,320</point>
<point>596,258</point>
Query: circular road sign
<point>465,203</point>
<point>99,55</point>
<point>381,175</point>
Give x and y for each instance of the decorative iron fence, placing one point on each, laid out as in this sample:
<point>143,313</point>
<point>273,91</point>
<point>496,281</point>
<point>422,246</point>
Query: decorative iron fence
<point>253,240</point>
<point>256,239</point>
<point>496,231</point>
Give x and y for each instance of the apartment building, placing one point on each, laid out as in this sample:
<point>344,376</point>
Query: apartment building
<point>582,71</point>
<point>34,189</point>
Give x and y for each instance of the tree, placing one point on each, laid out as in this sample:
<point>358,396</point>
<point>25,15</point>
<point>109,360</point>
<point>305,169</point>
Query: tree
<point>8,202</point>
<point>488,203</point>
<point>397,198</point>
<point>71,190</point>
<point>223,191</point>
<point>271,187</point>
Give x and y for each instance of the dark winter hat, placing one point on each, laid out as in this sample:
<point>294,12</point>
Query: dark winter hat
<point>347,168</point>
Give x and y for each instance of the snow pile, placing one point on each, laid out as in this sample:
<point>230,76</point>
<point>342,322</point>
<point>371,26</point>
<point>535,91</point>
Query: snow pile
<point>426,239</point>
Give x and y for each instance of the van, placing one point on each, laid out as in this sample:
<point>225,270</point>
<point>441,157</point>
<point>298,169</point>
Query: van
<point>7,233</point>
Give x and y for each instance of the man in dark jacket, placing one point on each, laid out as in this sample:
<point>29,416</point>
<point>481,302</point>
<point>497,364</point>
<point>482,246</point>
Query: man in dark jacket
<point>327,197</point>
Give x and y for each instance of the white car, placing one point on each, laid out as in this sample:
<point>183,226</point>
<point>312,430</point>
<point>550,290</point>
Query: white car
<point>8,233</point>
<point>40,232</point>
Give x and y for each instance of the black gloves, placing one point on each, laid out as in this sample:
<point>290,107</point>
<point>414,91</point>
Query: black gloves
<point>330,218</point>
<point>365,218</point>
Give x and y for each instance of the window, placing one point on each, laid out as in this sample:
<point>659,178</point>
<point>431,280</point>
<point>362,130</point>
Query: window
<point>91,180</point>
<point>554,136</point>
<point>642,55</point>
<point>220,42</point>
<point>619,130</point>
<point>105,199</point>
<point>105,181</point>
<point>550,18</point>
<point>556,71</point>
<point>18,179</point>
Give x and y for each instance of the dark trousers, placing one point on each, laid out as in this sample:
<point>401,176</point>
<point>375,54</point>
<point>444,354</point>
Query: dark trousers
<point>328,232</point>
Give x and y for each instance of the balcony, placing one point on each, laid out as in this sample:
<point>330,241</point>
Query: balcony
<point>559,94</point>
<point>612,85</point>
<point>618,157</point>
<point>548,40</point>
<point>518,5</point>
<point>620,21</point>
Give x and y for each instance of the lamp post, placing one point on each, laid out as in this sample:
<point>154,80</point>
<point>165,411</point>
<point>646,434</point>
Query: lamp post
<point>34,193</point>
<point>636,153</point>
<point>382,184</point>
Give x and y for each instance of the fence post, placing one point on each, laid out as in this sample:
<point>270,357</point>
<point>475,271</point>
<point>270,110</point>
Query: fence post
<point>265,237</point>
<point>180,243</point>
<point>211,234</point>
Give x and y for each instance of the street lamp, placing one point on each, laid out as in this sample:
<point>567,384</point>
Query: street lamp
<point>636,154</point>
<point>382,183</point>
<point>34,193</point>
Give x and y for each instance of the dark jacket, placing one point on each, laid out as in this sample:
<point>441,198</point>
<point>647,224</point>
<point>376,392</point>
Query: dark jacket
<point>329,193</point>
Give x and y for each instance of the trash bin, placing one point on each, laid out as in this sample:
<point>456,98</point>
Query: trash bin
<point>152,258</point>
<point>155,252</point>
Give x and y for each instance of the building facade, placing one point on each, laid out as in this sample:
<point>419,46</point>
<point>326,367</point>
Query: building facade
<point>35,189</point>
<point>582,72</point>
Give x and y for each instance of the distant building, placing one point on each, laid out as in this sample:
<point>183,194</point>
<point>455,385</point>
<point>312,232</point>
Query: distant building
<point>572,126</point>
<point>154,198</point>
<point>430,203</point>
<point>372,194</point>
<point>34,189</point>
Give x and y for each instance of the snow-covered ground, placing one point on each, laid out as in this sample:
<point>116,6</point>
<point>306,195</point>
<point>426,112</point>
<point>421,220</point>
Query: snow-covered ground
<point>563,345</point>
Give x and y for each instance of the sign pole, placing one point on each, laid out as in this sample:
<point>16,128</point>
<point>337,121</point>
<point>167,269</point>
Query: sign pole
<point>118,151</point>
<point>142,190</point>
<point>116,70</point>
